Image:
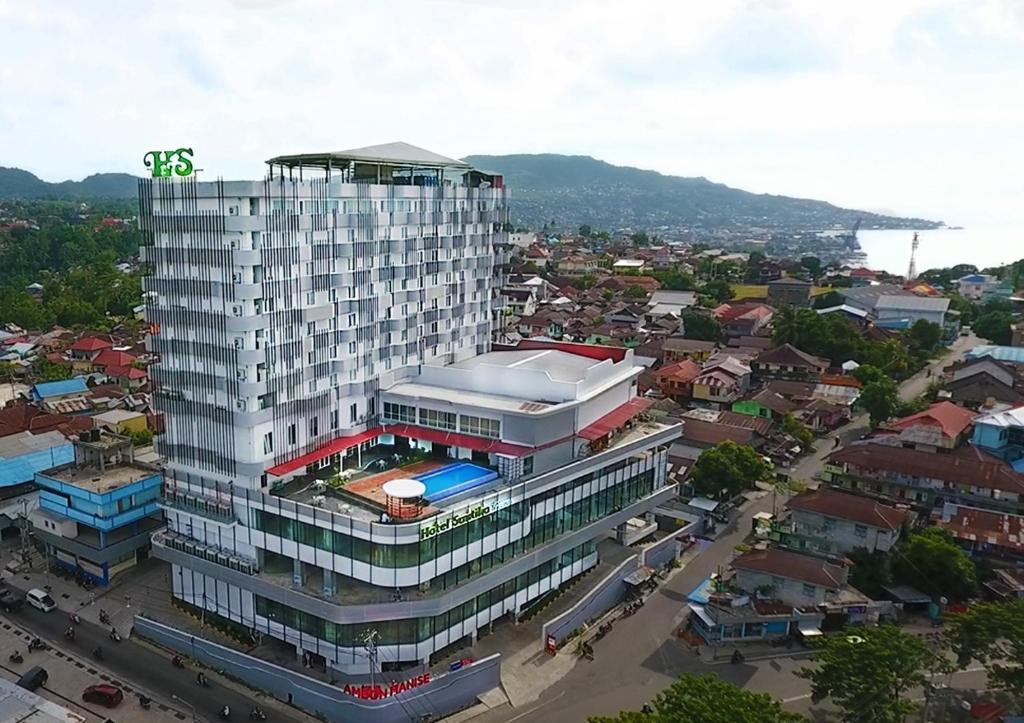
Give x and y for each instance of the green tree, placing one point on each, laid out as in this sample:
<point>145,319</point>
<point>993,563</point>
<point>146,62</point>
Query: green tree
<point>785,326</point>
<point>586,231</point>
<point>727,469</point>
<point>675,280</point>
<point>797,430</point>
<point>870,572</point>
<point>964,306</point>
<point>718,289</point>
<point>993,634</point>
<point>868,674</point>
<point>866,373</point>
<point>812,264</point>
<point>47,371</point>
<point>699,325</point>
<point>996,326</point>
<point>924,336</point>
<point>931,561</point>
<point>636,292</point>
<point>640,239</point>
<point>752,274</point>
<point>879,399</point>
<point>827,300</point>
<point>707,699</point>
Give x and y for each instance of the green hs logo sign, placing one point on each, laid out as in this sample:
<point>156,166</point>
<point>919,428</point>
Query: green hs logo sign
<point>168,163</point>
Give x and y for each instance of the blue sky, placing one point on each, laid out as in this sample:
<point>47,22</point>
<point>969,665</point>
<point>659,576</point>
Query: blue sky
<point>912,106</point>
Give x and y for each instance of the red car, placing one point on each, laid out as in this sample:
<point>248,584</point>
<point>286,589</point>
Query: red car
<point>103,694</point>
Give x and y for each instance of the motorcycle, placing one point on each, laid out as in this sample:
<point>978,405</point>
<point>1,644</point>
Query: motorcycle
<point>737,657</point>
<point>115,636</point>
<point>15,657</point>
<point>603,630</point>
<point>70,634</point>
<point>257,714</point>
<point>75,619</point>
<point>177,662</point>
<point>104,618</point>
<point>203,681</point>
<point>36,644</point>
<point>98,653</point>
<point>144,702</point>
<point>225,713</point>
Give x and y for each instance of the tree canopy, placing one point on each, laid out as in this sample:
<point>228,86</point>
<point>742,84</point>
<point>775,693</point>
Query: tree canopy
<point>993,634</point>
<point>880,399</point>
<point>707,699</point>
<point>868,673</point>
<point>718,289</point>
<point>727,469</point>
<point>697,325</point>
<point>996,326</point>
<point>924,336</point>
<point>931,561</point>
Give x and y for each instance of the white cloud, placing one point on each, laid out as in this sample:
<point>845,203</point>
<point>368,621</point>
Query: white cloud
<point>910,106</point>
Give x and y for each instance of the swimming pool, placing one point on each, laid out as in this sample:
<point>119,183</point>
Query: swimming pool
<point>453,479</point>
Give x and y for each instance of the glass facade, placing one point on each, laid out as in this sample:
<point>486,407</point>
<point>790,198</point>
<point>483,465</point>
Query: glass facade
<point>572,516</point>
<point>415,630</point>
<point>399,413</point>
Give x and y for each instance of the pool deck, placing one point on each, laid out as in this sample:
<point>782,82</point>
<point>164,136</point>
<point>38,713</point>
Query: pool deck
<point>372,488</point>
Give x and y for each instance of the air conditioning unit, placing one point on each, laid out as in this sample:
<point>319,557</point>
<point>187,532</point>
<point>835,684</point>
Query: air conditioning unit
<point>240,405</point>
<point>239,342</point>
<point>236,278</point>
<point>318,500</point>
<point>236,310</point>
<point>320,485</point>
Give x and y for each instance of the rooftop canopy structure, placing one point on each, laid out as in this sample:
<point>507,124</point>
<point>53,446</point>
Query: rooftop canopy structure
<point>396,163</point>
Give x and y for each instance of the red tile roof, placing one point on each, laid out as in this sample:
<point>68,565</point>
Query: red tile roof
<point>965,466</point>
<point>27,418</point>
<point>125,372</point>
<point>91,343</point>
<point>952,419</point>
<point>845,506</point>
<point>684,372</point>
<point>794,566</point>
<point>109,357</point>
<point>711,433</point>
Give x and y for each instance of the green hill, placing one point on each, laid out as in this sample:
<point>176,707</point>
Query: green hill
<point>16,183</point>
<point>575,190</point>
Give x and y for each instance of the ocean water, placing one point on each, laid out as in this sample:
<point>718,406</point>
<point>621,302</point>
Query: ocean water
<point>983,247</point>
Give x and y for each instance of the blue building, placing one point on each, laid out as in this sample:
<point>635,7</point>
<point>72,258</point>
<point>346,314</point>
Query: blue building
<point>1002,434</point>
<point>96,514</point>
<point>45,391</point>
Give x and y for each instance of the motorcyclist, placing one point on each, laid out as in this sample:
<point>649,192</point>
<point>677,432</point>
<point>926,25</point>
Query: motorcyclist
<point>201,679</point>
<point>225,712</point>
<point>70,633</point>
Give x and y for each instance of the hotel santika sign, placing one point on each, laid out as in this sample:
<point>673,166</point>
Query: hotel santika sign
<point>443,523</point>
<point>164,164</point>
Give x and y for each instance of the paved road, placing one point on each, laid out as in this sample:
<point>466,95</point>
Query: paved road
<point>640,656</point>
<point>143,667</point>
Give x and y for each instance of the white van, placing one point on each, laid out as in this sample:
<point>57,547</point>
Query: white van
<point>40,599</point>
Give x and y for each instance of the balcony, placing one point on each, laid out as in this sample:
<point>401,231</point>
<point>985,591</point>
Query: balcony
<point>210,553</point>
<point>202,505</point>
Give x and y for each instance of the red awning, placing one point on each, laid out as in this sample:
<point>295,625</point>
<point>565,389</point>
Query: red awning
<point>614,419</point>
<point>454,439</point>
<point>338,445</point>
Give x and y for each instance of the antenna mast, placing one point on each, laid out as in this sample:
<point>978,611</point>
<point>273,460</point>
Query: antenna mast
<point>912,271</point>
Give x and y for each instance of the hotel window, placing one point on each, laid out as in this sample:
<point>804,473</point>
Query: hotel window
<point>438,420</point>
<point>399,413</point>
<point>291,434</point>
<point>480,426</point>
<point>268,443</point>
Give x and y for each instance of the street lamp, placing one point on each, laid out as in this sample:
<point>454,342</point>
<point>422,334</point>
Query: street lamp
<point>185,702</point>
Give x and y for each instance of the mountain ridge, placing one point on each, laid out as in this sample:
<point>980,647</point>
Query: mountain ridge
<point>574,190</point>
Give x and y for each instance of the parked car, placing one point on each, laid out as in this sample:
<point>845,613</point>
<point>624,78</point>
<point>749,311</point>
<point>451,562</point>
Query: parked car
<point>41,600</point>
<point>103,694</point>
<point>34,678</point>
<point>10,600</point>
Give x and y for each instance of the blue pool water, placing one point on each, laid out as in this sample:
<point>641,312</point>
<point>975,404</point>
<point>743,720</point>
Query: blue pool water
<point>453,479</point>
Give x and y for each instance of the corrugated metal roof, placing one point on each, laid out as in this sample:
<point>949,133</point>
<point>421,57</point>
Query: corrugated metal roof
<point>912,303</point>
<point>397,153</point>
<point>75,385</point>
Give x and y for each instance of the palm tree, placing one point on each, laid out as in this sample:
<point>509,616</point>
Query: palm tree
<point>786,326</point>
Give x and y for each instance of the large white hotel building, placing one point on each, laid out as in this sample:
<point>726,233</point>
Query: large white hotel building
<point>337,315</point>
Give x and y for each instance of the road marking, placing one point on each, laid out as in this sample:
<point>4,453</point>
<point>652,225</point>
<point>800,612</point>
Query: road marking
<point>536,707</point>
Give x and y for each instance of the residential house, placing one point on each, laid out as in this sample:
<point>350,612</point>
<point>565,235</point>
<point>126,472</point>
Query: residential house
<point>1002,434</point>
<point>746,319</point>
<point>631,267</point>
<point>862,276</point>
<point>579,265</point>
<point>721,383</point>
<point>983,532</point>
<point>975,286</point>
<point>520,302</point>
<point>829,521</point>
<point>788,291</point>
<point>759,343</point>
<point>131,378</point>
<point>121,421</point>
<point>49,394</point>
<point>854,314</point>
<point>866,297</point>
<point>675,348</point>
<point>626,314</point>
<point>982,382</point>
<point>788,362</point>
<point>821,415</point>
<point>670,302</point>
<point>943,425</point>
<point>87,349</point>
<point>900,312</point>
<point>927,479</point>
<point>1012,355</point>
<point>619,283</point>
<point>676,379</point>
<point>790,577</point>
<point>765,403</point>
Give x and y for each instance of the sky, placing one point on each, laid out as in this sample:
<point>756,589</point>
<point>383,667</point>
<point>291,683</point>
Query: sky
<point>914,107</point>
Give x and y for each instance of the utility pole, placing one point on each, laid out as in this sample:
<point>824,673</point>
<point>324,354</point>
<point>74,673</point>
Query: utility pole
<point>370,643</point>
<point>24,539</point>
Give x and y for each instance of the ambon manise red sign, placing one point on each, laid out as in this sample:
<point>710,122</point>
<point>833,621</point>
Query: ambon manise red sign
<point>378,692</point>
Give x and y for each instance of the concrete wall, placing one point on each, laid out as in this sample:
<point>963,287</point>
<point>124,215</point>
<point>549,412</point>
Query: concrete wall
<point>664,551</point>
<point>442,696</point>
<point>605,595</point>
